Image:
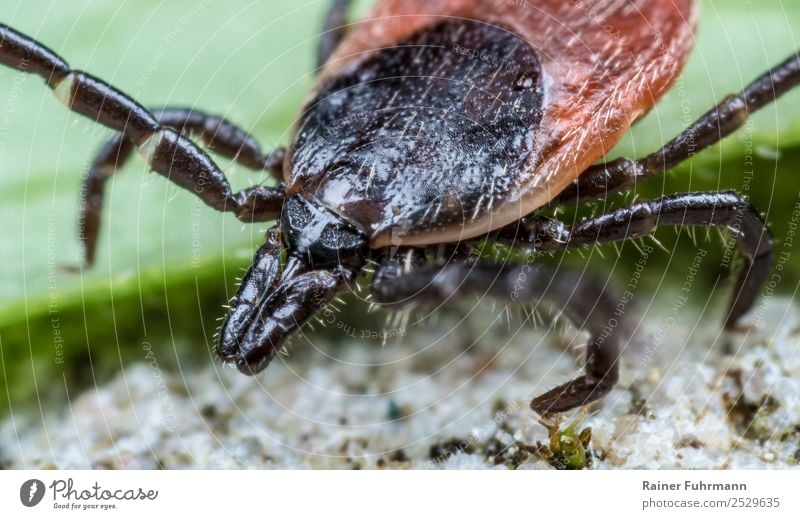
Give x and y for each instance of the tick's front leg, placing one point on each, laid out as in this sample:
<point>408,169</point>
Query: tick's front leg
<point>166,150</point>
<point>217,133</point>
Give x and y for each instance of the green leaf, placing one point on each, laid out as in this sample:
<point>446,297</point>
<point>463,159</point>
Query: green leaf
<point>161,252</point>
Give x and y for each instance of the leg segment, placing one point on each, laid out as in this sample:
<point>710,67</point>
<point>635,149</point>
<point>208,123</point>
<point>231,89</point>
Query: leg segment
<point>166,151</point>
<point>223,137</point>
<point>215,132</point>
<point>583,301</point>
<point>724,209</point>
<point>603,180</point>
<point>334,30</point>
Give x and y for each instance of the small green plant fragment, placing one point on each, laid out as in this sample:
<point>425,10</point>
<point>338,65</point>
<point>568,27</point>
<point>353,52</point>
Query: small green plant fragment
<point>568,449</point>
<point>751,419</point>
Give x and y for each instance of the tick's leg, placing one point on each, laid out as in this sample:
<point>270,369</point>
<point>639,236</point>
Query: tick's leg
<point>724,209</point>
<point>334,30</point>
<point>223,137</point>
<point>111,156</point>
<point>603,180</point>
<point>166,151</point>
<point>400,282</point>
<point>267,309</point>
<point>215,132</point>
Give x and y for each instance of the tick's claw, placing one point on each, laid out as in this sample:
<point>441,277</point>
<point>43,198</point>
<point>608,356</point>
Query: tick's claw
<point>569,396</point>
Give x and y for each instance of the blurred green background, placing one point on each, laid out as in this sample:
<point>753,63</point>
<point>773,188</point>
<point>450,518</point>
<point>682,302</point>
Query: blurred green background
<point>166,264</point>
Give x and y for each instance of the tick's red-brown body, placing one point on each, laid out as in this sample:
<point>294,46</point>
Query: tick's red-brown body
<point>604,65</point>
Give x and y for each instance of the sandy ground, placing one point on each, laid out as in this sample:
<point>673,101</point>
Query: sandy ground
<point>451,394</point>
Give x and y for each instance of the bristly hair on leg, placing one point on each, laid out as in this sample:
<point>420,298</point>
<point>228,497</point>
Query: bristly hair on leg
<point>658,243</point>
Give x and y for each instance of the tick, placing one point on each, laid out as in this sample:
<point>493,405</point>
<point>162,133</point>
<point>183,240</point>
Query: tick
<point>442,124</point>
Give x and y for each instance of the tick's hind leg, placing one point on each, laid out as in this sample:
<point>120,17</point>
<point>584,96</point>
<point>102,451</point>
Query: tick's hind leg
<point>603,180</point>
<point>334,30</point>
<point>725,209</point>
<point>584,302</point>
<point>216,133</point>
